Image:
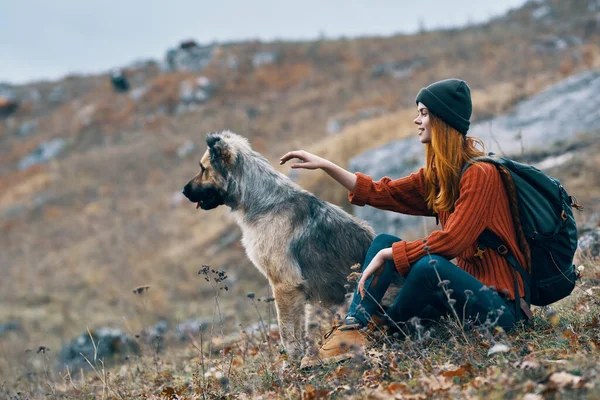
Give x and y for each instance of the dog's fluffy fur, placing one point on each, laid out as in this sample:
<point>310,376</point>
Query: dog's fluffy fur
<point>303,245</point>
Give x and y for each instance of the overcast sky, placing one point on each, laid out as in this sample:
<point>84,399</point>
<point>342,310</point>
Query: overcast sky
<point>47,39</point>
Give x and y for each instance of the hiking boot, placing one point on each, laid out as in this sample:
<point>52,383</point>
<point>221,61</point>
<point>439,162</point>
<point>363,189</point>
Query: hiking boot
<point>341,343</point>
<point>379,322</point>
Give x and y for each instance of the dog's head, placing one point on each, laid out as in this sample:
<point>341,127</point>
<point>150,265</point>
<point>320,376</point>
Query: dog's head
<point>210,188</point>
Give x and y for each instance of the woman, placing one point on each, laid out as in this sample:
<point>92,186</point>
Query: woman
<point>481,286</point>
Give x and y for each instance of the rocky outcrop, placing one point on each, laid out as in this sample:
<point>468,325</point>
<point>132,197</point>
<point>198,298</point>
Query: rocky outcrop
<point>555,114</point>
<point>45,152</point>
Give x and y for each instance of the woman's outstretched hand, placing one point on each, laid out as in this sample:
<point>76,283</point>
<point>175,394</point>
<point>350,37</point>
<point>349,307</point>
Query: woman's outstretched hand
<point>307,160</point>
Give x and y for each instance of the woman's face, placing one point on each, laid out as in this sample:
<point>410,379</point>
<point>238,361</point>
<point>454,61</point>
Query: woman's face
<point>423,123</point>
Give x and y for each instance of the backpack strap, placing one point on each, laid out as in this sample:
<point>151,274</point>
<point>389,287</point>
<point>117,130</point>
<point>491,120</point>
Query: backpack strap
<point>491,240</point>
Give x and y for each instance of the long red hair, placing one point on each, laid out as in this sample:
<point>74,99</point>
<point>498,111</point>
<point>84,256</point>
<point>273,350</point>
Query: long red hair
<point>445,157</point>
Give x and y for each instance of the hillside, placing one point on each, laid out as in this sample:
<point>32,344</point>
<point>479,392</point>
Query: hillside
<point>81,231</point>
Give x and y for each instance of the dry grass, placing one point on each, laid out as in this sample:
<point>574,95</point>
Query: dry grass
<point>557,359</point>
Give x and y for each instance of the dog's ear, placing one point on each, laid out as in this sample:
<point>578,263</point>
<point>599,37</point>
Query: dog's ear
<point>218,149</point>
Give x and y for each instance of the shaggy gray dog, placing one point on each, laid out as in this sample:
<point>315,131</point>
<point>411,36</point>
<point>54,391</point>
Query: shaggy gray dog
<point>303,245</point>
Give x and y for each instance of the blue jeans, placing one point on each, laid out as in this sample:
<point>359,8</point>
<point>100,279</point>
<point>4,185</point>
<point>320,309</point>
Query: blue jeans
<point>424,293</point>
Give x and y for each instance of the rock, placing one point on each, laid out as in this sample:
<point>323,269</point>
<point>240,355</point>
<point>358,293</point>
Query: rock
<point>190,327</point>
<point>57,95</point>
<point>541,12</point>
<point>189,57</point>
<point>27,128</point>
<point>155,335</point>
<point>197,91</point>
<point>44,153</point>
<point>119,81</point>
<point>111,345</point>
<point>398,70</point>
<point>589,243</point>
<point>158,329</point>
<point>553,44</point>
<point>85,115</point>
<point>10,326</point>
<point>137,93</point>
<point>264,57</point>
<point>553,115</point>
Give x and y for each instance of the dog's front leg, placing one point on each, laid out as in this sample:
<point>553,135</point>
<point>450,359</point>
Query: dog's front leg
<point>290,302</point>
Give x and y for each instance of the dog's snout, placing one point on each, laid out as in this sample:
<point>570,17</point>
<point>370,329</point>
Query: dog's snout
<point>187,190</point>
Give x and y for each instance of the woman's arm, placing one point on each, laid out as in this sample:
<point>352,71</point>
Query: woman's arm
<point>311,161</point>
<point>404,195</point>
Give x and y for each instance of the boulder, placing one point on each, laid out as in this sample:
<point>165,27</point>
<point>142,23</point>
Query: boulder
<point>190,327</point>
<point>553,115</point>
<point>43,153</point>
<point>105,344</point>
<point>399,70</point>
<point>119,80</point>
<point>27,128</point>
<point>589,244</point>
<point>264,57</point>
<point>189,56</point>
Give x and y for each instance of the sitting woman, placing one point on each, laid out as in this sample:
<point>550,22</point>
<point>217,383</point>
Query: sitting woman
<point>481,286</point>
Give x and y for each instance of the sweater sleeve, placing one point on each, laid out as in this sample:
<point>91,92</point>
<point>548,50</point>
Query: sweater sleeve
<point>405,195</point>
<point>473,210</point>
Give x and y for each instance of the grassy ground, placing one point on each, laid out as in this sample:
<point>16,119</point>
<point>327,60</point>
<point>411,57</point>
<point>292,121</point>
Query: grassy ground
<point>558,358</point>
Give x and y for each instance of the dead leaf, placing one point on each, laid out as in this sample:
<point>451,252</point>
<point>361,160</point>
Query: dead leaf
<point>498,348</point>
<point>342,371</point>
<point>395,387</point>
<point>460,372</point>
<point>561,380</point>
<point>310,393</point>
<point>170,392</point>
<point>593,323</point>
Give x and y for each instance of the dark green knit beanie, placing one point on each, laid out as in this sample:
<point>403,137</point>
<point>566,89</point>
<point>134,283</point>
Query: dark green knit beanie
<point>449,100</point>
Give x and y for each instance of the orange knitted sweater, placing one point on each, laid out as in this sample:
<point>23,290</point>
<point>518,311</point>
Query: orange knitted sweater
<point>482,204</point>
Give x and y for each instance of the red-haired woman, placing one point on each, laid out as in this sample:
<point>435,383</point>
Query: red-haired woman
<point>480,287</point>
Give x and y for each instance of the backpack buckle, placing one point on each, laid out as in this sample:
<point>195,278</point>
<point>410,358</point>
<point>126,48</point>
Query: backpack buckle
<point>502,249</point>
<point>479,253</point>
